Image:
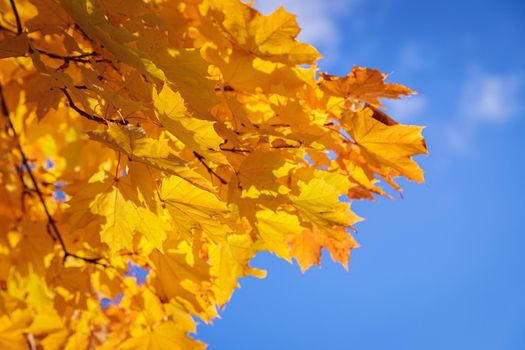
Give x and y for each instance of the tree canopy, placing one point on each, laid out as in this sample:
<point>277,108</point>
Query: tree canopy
<point>179,138</point>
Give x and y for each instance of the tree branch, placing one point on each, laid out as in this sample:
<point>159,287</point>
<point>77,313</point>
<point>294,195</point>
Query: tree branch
<point>91,116</point>
<point>210,170</point>
<point>52,227</point>
<point>235,150</point>
<point>85,57</point>
<point>17,17</point>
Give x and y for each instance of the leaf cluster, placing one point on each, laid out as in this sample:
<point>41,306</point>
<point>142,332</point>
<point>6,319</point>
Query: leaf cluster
<point>182,137</point>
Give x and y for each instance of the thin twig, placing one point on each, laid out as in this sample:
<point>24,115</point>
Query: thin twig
<point>52,227</point>
<point>210,170</point>
<point>17,17</point>
<point>91,116</point>
<point>25,189</point>
<point>235,150</point>
<point>85,57</point>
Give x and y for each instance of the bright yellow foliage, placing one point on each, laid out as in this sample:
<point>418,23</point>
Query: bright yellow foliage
<point>181,136</point>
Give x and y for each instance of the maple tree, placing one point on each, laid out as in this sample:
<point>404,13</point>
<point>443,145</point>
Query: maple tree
<point>182,137</point>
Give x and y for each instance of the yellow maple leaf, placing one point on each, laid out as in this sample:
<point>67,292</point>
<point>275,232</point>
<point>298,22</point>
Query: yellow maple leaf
<point>192,208</point>
<point>306,250</point>
<point>276,230</point>
<point>117,206</point>
<point>319,203</point>
<point>272,37</point>
<point>390,146</point>
<point>363,84</point>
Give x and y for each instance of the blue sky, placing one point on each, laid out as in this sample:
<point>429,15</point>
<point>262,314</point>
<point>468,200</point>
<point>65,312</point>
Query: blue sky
<point>444,267</point>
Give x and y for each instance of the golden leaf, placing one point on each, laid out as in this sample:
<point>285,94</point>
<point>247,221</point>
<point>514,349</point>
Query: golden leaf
<point>149,150</point>
<point>389,146</point>
<point>363,84</point>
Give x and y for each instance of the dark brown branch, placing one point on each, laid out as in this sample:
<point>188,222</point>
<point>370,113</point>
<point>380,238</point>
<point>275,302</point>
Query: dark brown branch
<point>77,27</point>
<point>84,58</point>
<point>286,146</point>
<point>99,60</point>
<point>25,189</point>
<point>52,227</point>
<point>91,116</point>
<point>3,105</point>
<point>17,17</point>
<point>235,150</point>
<point>19,170</point>
<point>81,112</point>
<point>210,170</point>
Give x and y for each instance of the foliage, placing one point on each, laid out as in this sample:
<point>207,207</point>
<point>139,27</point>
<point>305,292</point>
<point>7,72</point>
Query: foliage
<point>180,136</point>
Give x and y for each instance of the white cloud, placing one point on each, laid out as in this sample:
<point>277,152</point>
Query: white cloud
<point>490,98</point>
<point>407,108</point>
<point>485,99</point>
<point>317,18</point>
